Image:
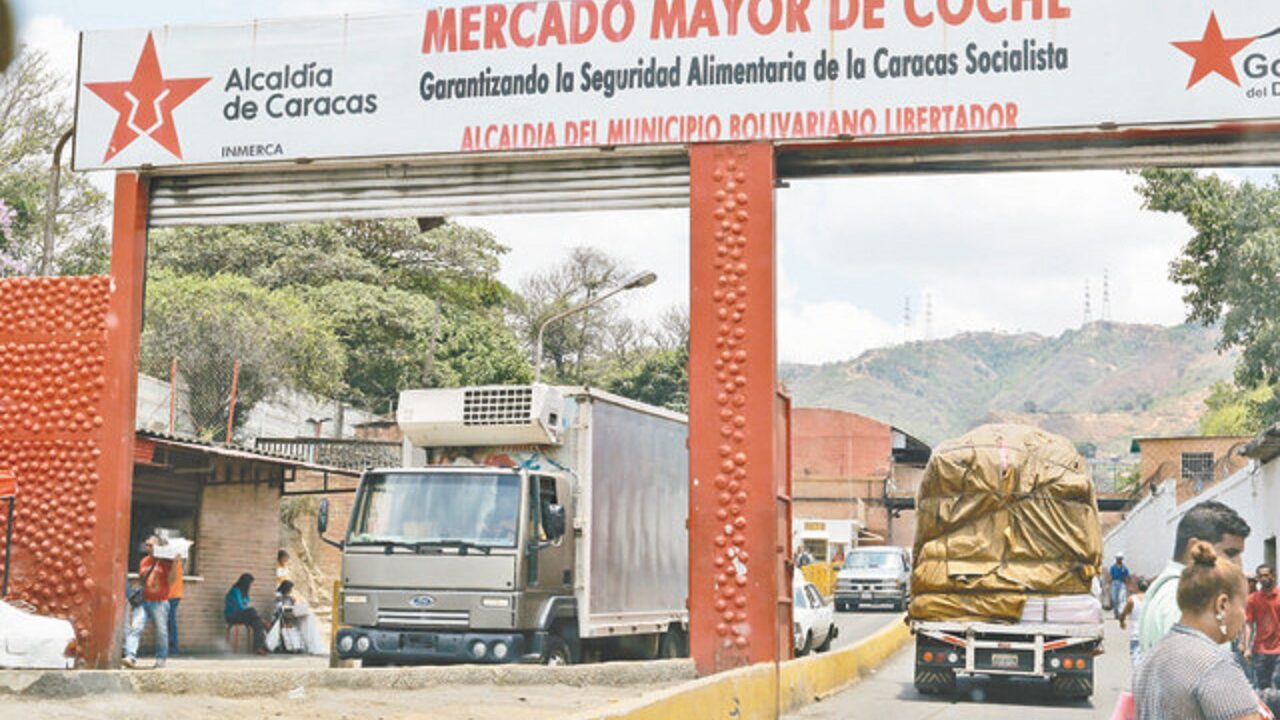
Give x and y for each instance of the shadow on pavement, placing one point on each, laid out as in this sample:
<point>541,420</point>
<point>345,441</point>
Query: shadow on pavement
<point>995,691</point>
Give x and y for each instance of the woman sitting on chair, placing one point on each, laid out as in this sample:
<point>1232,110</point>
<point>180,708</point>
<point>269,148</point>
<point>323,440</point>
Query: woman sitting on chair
<point>237,610</point>
<point>295,629</point>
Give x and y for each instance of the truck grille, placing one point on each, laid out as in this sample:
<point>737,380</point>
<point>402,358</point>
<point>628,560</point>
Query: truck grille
<point>423,618</point>
<point>866,586</point>
<point>497,406</point>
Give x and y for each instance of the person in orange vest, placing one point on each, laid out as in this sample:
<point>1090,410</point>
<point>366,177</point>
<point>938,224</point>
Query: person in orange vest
<point>175,597</point>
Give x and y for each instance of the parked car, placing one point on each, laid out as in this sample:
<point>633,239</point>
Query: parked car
<point>30,641</point>
<point>814,621</point>
<point>873,575</point>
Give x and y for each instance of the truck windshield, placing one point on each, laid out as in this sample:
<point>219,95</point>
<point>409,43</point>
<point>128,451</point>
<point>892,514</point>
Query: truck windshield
<point>873,561</point>
<point>442,508</point>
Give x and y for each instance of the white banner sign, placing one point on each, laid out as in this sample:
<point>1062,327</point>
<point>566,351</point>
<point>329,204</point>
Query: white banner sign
<point>574,73</point>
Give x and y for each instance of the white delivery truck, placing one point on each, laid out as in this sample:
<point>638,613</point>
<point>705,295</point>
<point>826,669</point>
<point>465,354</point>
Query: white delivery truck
<point>528,524</point>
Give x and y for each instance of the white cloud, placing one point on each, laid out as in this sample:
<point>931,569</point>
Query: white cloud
<point>60,42</point>
<point>828,331</point>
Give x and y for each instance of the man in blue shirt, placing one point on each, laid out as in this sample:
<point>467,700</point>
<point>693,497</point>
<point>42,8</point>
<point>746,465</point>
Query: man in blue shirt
<point>1119,584</point>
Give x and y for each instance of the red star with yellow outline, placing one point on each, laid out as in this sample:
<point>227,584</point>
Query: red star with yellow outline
<point>1213,53</point>
<point>146,103</point>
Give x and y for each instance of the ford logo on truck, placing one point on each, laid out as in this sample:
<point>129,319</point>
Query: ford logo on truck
<point>422,601</point>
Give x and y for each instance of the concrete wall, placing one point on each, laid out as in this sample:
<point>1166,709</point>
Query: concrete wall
<point>1147,534</point>
<point>284,415</point>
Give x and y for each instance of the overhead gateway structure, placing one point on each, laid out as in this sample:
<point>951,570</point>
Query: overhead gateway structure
<point>617,104</point>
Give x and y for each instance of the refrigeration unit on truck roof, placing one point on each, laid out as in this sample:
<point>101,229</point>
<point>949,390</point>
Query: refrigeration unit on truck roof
<point>481,416</point>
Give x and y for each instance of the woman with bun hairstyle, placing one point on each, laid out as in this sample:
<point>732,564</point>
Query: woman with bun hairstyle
<point>1188,675</point>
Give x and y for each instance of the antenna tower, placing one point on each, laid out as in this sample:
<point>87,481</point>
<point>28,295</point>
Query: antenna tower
<point>928,316</point>
<point>1088,307</point>
<point>906,320</point>
<point>1106,295</point>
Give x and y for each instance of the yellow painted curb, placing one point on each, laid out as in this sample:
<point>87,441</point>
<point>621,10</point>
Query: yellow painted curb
<point>764,691</point>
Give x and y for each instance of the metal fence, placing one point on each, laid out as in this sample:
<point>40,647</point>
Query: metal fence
<point>344,453</point>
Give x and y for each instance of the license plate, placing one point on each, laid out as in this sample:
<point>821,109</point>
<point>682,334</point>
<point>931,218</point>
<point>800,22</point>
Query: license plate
<point>1004,661</point>
<point>866,596</point>
<point>420,642</point>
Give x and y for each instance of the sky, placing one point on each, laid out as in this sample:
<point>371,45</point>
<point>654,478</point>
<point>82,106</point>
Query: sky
<point>1006,252</point>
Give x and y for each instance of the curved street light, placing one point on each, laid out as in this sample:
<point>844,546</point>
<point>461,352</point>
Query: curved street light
<point>639,280</point>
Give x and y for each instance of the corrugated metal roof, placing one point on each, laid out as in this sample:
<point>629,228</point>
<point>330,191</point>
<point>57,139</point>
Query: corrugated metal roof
<point>238,452</point>
<point>1265,446</point>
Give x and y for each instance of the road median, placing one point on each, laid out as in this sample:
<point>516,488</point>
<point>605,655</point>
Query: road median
<point>765,691</point>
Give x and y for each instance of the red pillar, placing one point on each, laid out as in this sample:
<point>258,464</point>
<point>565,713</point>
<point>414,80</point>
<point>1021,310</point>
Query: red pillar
<point>119,407</point>
<point>735,583</point>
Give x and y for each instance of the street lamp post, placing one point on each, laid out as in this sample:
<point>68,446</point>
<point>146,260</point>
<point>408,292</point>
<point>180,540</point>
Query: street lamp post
<point>639,280</point>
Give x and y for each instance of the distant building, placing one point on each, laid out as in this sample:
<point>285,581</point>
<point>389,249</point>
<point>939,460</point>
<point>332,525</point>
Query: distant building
<point>1253,489</point>
<point>845,468</point>
<point>1195,462</point>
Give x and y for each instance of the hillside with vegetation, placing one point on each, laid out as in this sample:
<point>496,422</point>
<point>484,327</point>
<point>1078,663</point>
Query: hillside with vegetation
<point>1100,384</point>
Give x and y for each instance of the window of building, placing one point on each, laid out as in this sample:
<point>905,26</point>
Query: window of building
<point>1198,468</point>
<point>163,500</point>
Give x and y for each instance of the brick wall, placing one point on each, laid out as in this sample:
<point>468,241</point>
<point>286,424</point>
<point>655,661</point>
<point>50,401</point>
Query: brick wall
<point>238,533</point>
<point>1161,459</point>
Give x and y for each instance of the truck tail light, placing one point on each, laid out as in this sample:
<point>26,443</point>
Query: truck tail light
<point>70,649</point>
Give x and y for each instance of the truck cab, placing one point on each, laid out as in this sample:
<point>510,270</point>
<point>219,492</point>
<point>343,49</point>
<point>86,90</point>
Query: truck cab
<point>489,542</point>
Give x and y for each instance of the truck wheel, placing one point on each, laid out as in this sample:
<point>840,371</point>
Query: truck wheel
<point>672,645</point>
<point>556,651</point>
<point>932,681</point>
<point>1071,687</point>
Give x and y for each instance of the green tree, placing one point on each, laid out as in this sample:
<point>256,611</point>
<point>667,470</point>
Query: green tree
<point>208,324</point>
<point>1232,411</point>
<point>661,378</point>
<point>1229,267</point>
<point>33,116</point>
<point>388,334</point>
<point>411,308</point>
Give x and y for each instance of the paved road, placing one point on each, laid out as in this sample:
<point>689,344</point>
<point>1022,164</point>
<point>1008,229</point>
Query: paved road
<point>855,626</point>
<point>889,692</point>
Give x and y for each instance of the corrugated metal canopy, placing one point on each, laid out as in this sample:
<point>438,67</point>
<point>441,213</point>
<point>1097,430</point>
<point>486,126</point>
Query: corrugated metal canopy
<point>594,180</point>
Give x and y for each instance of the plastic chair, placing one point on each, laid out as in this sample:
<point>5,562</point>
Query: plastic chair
<point>234,635</point>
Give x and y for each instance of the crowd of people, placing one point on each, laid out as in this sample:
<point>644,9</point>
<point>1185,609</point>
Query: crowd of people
<point>1203,643</point>
<point>292,628</point>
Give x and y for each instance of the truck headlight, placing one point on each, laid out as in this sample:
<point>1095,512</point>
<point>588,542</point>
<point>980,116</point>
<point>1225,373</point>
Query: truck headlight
<point>477,649</point>
<point>495,602</point>
<point>345,643</point>
<point>362,644</point>
<point>500,650</point>
<point>357,599</point>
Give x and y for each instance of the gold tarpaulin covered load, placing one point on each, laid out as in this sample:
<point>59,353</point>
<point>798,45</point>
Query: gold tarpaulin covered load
<point>1003,512</point>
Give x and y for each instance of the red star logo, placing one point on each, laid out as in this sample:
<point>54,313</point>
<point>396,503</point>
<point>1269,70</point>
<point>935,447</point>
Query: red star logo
<point>146,103</point>
<point>1213,53</point>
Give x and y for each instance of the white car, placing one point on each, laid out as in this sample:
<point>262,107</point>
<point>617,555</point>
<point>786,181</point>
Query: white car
<point>814,619</point>
<point>35,641</point>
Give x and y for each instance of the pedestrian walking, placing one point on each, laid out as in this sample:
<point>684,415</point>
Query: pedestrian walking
<point>175,597</point>
<point>1132,614</point>
<point>150,602</point>
<point>1188,675</point>
<point>1119,584</point>
<point>1210,521</point>
<point>1262,629</point>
